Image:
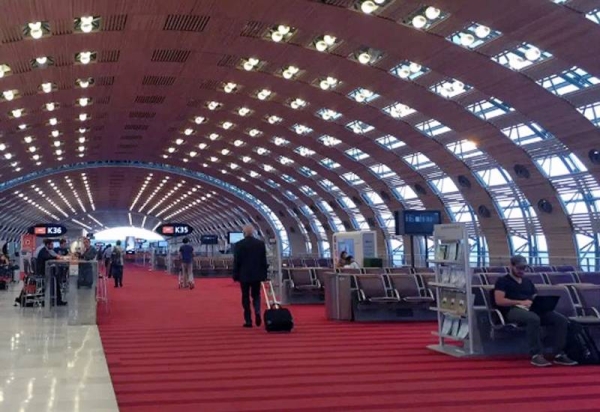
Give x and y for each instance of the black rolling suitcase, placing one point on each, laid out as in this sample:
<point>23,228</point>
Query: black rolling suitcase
<point>276,317</point>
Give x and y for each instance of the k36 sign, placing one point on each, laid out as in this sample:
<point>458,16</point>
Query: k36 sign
<point>47,230</point>
<point>174,229</point>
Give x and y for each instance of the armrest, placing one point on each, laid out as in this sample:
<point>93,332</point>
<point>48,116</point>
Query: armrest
<point>500,317</point>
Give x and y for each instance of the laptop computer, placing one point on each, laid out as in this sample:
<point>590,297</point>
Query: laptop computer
<point>544,304</point>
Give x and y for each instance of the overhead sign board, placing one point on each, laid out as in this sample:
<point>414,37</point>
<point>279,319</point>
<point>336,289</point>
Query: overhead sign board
<point>174,229</point>
<point>47,230</point>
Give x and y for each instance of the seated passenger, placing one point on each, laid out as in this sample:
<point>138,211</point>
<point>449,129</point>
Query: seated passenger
<point>351,263</point>
<point>513,295</point>
<point>343,260</point>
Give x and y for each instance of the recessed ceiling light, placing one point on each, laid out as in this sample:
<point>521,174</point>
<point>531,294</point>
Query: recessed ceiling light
<point>199,119</point>
<point>35,30</point>
<point>188,131</point>
<point>85,57</point>
<point>53,121</point>
<point>17,113</point>
<point>8,95</point>
<point>47,87</point>
<point>83,117</point>
<point>50,106</point>
<point>28,139</point>
<point>179,142</point>
<point>86,24</point>
<point>83,101</point>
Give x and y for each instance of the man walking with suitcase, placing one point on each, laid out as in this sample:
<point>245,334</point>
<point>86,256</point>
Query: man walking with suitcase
<point>250,269</point>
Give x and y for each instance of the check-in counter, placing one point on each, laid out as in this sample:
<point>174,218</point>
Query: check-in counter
<point>82,280</point>
<point>338,296</point>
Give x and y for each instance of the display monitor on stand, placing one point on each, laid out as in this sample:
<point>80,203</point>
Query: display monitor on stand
<point>416,223</point>
<point>233,238</point>
<point>209,241</point>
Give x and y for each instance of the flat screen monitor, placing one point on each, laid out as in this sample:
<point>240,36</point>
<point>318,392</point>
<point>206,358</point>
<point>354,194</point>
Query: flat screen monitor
<point>234,237</point>
<point>163,243</point>
<point>129,244</point>
<point>56,244</point>
<point>417,222</point>
<point>209,239</point>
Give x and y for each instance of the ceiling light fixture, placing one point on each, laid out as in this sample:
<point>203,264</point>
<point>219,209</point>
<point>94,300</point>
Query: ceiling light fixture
<point>86,24</point>
<point>85,57</point>
<point>8,95</point>
<point>325,42</point>
<point>281,31</point>
<point>35,30</point>
<point>199,120</point>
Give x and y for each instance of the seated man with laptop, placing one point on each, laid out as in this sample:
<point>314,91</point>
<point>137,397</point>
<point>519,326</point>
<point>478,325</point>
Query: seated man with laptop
<point>515,297</point>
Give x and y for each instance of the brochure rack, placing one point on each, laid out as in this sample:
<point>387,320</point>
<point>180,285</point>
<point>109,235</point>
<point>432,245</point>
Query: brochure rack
<point>454,297</point>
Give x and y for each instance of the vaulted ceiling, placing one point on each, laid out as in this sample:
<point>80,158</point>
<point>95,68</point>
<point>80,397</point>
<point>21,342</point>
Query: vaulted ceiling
<point>305,117</point>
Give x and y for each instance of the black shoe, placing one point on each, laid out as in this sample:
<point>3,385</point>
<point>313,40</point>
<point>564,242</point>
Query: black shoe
<point>563,359</point>
<point>540,361</point>
<point>247,325</point>
<point>258,321</point>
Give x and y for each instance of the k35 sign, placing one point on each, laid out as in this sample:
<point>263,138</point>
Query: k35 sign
<point>174,229</point>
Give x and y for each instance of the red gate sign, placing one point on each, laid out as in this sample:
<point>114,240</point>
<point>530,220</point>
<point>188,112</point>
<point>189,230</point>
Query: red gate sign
<point>39,231</point>
<point>167,230</point>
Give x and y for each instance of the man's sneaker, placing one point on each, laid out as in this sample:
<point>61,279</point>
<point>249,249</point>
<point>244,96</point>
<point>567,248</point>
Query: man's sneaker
<point>539,360</point>
<point>562,359</point>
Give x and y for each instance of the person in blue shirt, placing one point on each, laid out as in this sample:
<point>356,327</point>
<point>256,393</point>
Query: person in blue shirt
<point>513,295</point>
<point>186,254</point>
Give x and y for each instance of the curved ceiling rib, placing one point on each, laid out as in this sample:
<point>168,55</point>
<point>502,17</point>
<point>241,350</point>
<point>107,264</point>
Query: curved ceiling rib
<point>511,153</point>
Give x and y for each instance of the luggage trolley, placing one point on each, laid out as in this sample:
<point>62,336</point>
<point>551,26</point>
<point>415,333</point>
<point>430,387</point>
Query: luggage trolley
<point>191,284</point>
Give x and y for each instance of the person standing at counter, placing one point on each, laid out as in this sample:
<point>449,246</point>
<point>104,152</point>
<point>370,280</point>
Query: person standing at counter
<point>116,264</point>
<point>46,254</point>
<point>86,274</point>
<point>62,249</point>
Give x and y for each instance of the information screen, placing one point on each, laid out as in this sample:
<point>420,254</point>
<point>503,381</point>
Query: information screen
<point>209,239</point>
<point>233,237</point>
<point>417,222</point>
<point>174,229</point>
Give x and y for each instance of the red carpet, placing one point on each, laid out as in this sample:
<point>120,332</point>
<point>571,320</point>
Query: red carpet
<point>181,350</point>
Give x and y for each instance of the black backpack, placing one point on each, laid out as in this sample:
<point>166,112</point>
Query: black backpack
<point>115,257</point>
<point>581,346</point>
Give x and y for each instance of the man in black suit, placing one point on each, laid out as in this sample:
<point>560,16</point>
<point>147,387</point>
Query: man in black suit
<point>250,269</point>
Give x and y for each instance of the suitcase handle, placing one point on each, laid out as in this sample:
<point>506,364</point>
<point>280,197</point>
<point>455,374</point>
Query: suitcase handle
<point>270,293</point>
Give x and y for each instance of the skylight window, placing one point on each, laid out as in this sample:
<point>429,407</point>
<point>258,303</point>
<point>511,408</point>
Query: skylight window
<point>450,88</point>
<point>473,36</point>
<point>591,112</point>
<point>328,185</point>
<point>521,57</point>
<point>398,110</point>
<point>382,171</point>
<point>568,81</point>
<point>359,127</point>
<point>432,128</point>
<point>306,171</point>
<point>288,179</point>
<point>418,161</point>
<point>594,15</point>
<point>301,129</point>
<point>352,179</point>
<point>328,114</point>
<point>307,191</point>
<point>390,142</point>
<point>488,109</point>
<point>280,141</point>
<point>328,163</point>
<point>408,70</point>
<point>464,149</point>
<point>425,18</point>
<point>329,140</point>
<point>526,133</point>
<point>304,151</point>
<point>357,154</point>
<point>290,195</point>
<point>361,95</point>
<point>273,184</point>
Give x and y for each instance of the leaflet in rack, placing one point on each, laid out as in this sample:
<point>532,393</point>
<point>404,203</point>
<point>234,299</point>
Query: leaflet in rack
<point>449,252</point>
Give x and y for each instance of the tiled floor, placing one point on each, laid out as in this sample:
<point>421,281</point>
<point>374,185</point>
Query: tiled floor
<point>48,366</point>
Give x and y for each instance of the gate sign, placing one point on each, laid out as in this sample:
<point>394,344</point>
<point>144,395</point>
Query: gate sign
<point>174,229</point>
<point>47,230</point>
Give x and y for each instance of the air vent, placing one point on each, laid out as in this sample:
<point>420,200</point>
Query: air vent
<point>103,100</point>
<point>19,67</point>
<point>420,189</point>
<point>186,22</point>
<point>62,27</point>
<point>150,99</point>
<point>105,81</point>
<point>63,61</point>
<point>11,35</point>
<point>521,171</point>
<point>484,211</point>
<point>228,61</point>
<point>170,56</point>
<point>254,29</point>
<point>337,3</point>
<point>115,22</point>
<point>292,230</point>
<point>208,85</point>
<point>464,181</point>
<point>29,92</point>
<point>131,137</point>
<point>142,115</point>
<point>136,127</point>
<point>545,206</point>
<point>109,56</point>
<point>158,81</point>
